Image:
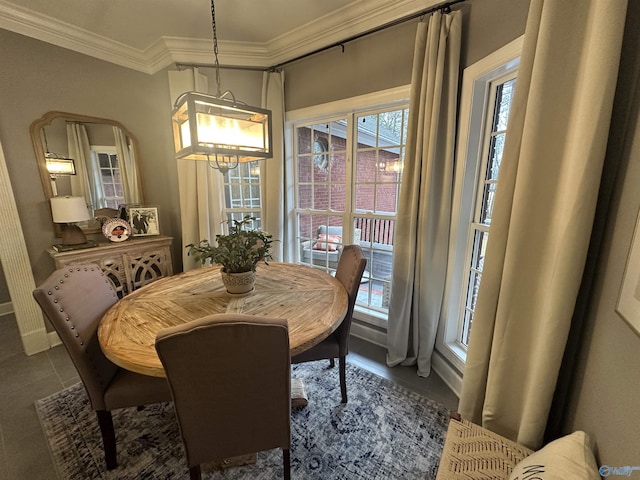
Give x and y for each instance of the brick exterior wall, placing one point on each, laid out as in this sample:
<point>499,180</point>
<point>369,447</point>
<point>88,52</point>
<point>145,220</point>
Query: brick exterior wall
<point>329,188</point>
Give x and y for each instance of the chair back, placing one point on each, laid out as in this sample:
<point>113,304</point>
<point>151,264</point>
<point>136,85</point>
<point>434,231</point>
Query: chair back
<point>74,299</point>
<point>349,272</point>
<point>230,380</point>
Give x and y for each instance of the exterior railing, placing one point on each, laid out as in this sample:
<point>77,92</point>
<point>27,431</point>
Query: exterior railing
<point>376,230</point>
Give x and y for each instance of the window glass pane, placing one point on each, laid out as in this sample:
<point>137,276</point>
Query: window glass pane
<point>366,162</point>
<point>103,159</point>
<point>338,135</point>
<point>338,169</point>
<point>304,169</point>
<point>386,200</point>
<point>495,155</point>
<point>305,227</point>
<point>320,173</point>
<point>479,249</point>
<point>304,140</point>
<point>338,197</point>
<point>365,197</point>
<point>320,240</point>
<point>504,95</point>
<point>367,131</point>
<point>375,236</point>
<point>487,203</point>
<point>391,128</point>
<point>321,197</point>
<point>405,117</point>
<point>305,196</point>
<point>466,327</point>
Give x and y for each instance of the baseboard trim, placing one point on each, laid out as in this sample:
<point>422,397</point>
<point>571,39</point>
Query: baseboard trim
<point>35,342</point>
<point>6,308</point>
<point>54,339</point>
<point>449,375</point>
<point>369,334</point>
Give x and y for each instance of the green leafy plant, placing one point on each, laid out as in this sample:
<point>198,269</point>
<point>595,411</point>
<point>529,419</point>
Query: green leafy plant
<point>239,251</point>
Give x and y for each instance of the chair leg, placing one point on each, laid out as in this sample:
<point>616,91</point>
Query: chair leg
<point>286,461</point>
<point>195,473</point>
<point>108,438</point>
<point>332,363</point>
<point>343,378</point>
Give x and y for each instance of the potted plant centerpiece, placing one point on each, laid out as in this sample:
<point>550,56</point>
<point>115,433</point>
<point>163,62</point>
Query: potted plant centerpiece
<point>238,252</point>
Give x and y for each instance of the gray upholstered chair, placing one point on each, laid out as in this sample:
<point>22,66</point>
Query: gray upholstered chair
<point>230,378</point>
<point>350,268</point>
<point>74,298</point>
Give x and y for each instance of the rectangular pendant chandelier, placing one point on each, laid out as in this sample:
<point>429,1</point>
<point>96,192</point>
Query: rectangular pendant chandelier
<point>207,127</point>
<point>58,165</point>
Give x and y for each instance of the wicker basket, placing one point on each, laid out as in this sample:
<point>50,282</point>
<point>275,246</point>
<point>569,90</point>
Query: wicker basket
<point>473,452</point>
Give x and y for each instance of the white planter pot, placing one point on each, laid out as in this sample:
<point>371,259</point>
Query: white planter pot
<point>238,283</point>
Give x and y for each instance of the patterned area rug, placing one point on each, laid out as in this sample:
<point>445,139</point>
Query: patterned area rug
<point>383,432</point>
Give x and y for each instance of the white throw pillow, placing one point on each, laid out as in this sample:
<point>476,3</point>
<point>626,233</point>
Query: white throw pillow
<point>567,458</point>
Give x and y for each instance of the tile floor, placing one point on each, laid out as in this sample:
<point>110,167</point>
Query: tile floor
<point>24,454</point>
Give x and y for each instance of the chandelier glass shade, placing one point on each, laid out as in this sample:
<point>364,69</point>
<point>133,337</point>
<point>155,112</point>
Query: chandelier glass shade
<point>58,165</point>
<point>220,130</point>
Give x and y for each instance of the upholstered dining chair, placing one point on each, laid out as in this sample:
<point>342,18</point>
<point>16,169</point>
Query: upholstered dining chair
<point>230,378</point>
<point>349,272</point>
<point>74,298</point>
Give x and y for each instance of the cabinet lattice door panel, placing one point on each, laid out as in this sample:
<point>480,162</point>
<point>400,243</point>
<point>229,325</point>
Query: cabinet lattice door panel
<point>146,268</point>
<point>129,265</point>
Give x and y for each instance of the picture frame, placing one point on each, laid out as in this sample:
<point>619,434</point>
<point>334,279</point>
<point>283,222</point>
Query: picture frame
<point>628,306</point>
<point>144,221</point>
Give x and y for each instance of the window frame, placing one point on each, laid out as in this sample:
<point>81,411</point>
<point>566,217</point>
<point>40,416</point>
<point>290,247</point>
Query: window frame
<point>235,178</point>
<point>356,106</point>
<point>478,80</point>
<point>111,151</point>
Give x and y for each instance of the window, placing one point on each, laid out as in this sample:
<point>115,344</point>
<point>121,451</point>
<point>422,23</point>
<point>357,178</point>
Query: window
<point>242,192</point>
<point>347,173</point>
<point>108,177</point>
<point>501,93</point>
<point>487,92</point>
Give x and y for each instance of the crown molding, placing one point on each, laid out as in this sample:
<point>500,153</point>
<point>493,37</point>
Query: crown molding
<point>41,27</point>
<point>331,28</point>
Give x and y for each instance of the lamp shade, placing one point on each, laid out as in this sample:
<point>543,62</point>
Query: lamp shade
<point>204,126</point>
<point>69,209</point>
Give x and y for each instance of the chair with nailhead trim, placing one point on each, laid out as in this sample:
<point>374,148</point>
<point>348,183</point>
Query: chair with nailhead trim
<point>74,299</point>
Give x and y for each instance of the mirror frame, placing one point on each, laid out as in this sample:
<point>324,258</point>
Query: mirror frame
<point>36,129</point>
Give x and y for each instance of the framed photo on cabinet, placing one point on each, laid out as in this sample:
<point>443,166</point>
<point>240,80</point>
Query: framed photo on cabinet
<point>144,221</point>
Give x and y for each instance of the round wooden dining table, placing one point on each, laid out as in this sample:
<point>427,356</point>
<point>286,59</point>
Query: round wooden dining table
<point>313,302</point>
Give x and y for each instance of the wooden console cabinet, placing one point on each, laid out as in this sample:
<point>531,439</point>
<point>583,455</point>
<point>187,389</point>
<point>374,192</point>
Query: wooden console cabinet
<point>129,265</point>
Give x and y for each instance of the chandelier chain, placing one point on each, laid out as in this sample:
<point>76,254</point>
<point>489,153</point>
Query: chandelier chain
<point>215,47</point>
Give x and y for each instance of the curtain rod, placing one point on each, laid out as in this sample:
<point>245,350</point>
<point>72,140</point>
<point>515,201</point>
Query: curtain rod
<point>443,6</point>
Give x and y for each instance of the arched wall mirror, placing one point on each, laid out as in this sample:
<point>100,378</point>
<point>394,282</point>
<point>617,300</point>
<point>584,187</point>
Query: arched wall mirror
<point>95,158</point>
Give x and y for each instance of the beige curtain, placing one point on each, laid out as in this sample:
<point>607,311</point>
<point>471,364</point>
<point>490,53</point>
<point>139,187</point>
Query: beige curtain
<point>201,188</point>
<point>424,210</point>
<point>83,183</point>
<point>128,170</point>
<point>272,170</point>
<point>543,214</point>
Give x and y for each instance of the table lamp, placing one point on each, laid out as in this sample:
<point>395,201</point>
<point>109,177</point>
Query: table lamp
<point>69,210</point>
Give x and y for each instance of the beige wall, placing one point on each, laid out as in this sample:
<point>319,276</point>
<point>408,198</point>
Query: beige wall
<point>37,77</point>
<point>383,60</point>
